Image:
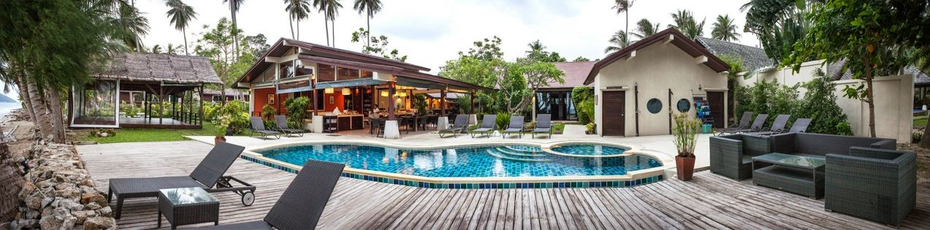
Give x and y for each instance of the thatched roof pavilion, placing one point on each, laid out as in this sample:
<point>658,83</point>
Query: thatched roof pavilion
<point>161,78</point>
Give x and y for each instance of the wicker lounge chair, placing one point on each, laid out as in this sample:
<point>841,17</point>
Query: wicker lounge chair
<point>460,123</point>
<point>778,125</point>
<point>543,125</point>
<point>875,184</point>
<point>302,203</point>
<point>516,126</point>
<point>757,125</point>
<point>799,126</point>
<point>743,124</point>
<point>281,122</point>
<point>487,126</point>
<point>259,126</point>
<point>731,155</point>
<point>208,175</point>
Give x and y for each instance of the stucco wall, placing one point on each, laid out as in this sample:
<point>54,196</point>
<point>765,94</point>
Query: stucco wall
<point>655,70</point>
<point>894,96</point>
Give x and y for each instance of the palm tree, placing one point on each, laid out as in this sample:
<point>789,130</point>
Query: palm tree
<point>536,47</point>
<point>645,28</point>
<point>618,41</point>
<point>156,49</point>
<point>684,22</point>
<point>373,7</point>
<point>298,10</point>
<point>623,6</point>
<point>330,9</point>
<point>180,14</point>
<point>725,29</point>
<point>234,6</point>
<point>131,26</point>
<point>172,50</point>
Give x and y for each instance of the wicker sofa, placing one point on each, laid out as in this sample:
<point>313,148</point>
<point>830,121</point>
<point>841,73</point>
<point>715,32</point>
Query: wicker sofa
<point>731,155</point>
<point>813,144</point>
<point>875,184</point>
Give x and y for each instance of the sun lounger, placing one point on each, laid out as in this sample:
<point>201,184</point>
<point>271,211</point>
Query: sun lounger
<point>259,126</point>
<point>756,126</point>
<point>778,125</point>
<point>302,203</point>
<point>800,125</point>
<point>208,175</point>
<point>743,124</point>
<point>487,126</point>
<point>543,125</point>
<point>281,122</point>
<point>516,126</point>
<point>460,123</point>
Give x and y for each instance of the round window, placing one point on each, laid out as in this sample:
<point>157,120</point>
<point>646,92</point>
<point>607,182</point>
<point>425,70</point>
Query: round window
<point>654,105</point>
<point>684,106</point>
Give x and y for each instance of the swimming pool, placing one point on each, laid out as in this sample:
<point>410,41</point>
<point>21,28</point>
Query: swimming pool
<point>475,166</point>
<point>589,149</point>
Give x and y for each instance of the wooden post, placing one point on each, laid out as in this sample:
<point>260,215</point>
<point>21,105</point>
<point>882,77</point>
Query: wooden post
<point>161,106</point>
<point>313,91</point>
<point>200,121</point>
<point>471,110</point>
<point>391,101</point>
<point>442,101</point>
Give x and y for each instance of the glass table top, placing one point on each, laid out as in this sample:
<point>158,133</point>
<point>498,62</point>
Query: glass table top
<point>792,160</point>
<point>193,195</point>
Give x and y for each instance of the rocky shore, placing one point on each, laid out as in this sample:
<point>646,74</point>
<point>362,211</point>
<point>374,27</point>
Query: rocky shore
<point>57,192</point>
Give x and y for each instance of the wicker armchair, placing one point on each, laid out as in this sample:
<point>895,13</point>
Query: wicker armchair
<point>731,155</point>
<point>875,184</point>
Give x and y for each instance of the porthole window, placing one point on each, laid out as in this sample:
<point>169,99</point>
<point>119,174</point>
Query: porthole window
<point>654,105</point>
<point>684,105</point>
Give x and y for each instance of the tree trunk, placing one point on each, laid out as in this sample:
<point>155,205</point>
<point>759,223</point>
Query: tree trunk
<point>298,29</point>
<point>232,10</point>
<point>334,32</point>
<point>54,102</point>
<point>24,97</point>
<point>184,30</point>
<point>869,96</point>
<point>325,22</point>
<point>291,22</point>
<point>368,24</point>
<point>42,122</point>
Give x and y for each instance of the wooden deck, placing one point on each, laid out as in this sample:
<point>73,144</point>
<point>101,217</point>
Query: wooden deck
<point>708,202</point>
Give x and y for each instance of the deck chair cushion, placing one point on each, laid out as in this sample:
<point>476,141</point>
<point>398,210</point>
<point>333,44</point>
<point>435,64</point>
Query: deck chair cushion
<point>215,164</point>
<point>302,203</point>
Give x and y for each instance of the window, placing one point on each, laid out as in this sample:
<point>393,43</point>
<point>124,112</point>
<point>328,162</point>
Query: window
<point>684,105</point>
<point>654,105</point>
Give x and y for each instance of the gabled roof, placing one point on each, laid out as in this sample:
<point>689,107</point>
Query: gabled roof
<point>753,58</point>
<point>680,40</point>
<point>575,74</point>
<point>160,68</point>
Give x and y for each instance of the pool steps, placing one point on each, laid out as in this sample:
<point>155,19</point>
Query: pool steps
<point>509,151</point>
<point>506,156</point>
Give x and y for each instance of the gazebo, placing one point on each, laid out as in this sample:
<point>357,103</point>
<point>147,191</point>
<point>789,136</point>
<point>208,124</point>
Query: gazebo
<point>171,88</point>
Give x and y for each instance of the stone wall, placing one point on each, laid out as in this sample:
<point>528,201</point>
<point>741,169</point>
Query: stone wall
<point>59,193</point>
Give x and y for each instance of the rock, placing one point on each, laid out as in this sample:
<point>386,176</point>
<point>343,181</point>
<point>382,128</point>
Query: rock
<point>87,182</point>
<point>70,205</point>
<point>56,220</point>
<point>105,211</point>
<point>83,215</point>
<point>26,223</point>
<point>46,201</point>
<point>34,202</point>
<point>32,214</point>
<point>93,206</point>
<point>69,222</point>
<point>93,197</point>
<point>99,223</point>
<point>28,187</point>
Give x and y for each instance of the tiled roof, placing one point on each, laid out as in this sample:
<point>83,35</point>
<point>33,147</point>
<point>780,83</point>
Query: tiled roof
<point>920,77</point>
<point>753,58</point>
<point>575,74</point>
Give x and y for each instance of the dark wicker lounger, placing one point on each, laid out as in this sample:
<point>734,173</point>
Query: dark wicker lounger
<point>743,124</point>
<point>487,126</point>
<point>259,126</point>
<point>516,126</point>
<point>281,122</point>
<point>209,173</point>
<point>302,203</point>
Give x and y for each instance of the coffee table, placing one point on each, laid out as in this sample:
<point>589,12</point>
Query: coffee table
<point>183,206</point>
<point>801,174</point>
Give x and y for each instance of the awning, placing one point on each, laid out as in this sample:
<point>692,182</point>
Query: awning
<point>419,83</point>
<point>349,83</point>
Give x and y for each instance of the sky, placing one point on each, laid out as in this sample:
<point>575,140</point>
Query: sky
<point>430,32</point>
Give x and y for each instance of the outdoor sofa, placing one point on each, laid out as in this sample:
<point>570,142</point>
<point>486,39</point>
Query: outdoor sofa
<point>874,184</point>
<point>207,175</point>
<point>731,155</point>
<point>302,203</point>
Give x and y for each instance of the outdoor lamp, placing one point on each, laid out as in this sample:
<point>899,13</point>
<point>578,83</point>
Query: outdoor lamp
<point>328,91</point>
<point>384,93</point>
<point>346,91</point>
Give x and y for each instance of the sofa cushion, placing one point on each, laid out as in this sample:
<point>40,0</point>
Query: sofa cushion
<point>821,144</point>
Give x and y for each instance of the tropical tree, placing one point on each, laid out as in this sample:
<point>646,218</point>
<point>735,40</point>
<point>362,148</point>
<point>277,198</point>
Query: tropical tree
<point>868,34</point>
<point>330,9</point>
<point>538,52</point>
<point>778,24</point>
<point>684,22</point>
<point>217,44</point>
<point>379,47</point>
<point>172,49</point>
<point>234,6</point>
<point>645,28</point>
<point>157,49</point>
<point>370,7</point>
<point>297,10</point>
<point>581,59</point>
<point>617,42</point>
<point>132,25</point>
<point>724,29</point>
<point>180,15</point>
<point>623,6</point>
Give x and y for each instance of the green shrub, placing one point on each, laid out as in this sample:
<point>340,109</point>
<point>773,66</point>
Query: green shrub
<point>296,110</point>
<point>583,99</point>
<point>268,112</point>
<point>818,103</point>
<point>503,119</point>
<point>233,116</point>
<point>558,127</point>
<point>590,128</point>
<point>210,110</point>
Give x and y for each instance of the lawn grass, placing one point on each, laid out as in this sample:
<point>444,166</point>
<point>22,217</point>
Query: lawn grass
<point>920,121</point>
<point>148,135</point>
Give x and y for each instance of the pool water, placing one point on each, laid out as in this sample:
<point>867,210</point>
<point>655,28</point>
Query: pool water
<point>589,149</point>
<point>480,161</point>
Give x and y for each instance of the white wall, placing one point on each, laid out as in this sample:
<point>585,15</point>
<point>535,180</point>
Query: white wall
<point>655,69</point>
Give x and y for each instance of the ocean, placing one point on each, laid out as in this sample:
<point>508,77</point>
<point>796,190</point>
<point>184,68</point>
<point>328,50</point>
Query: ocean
<point>6,107</point>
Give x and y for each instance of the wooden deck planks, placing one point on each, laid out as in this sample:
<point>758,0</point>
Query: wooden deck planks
<point>709,201</point>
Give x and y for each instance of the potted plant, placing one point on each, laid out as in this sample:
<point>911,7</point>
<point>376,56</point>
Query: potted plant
<point>590,128</point>
<point>221,129</point>
<point>685,133</point>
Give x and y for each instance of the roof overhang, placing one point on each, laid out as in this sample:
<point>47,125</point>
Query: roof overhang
<point>672,36</point>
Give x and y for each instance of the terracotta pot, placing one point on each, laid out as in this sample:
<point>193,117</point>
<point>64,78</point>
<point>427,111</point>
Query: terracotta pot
<point>219,139</point>
<point>685,167</point>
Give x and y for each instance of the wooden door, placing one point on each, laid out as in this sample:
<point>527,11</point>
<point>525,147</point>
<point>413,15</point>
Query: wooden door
<point>715,99</point>
<point>613,113</point>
